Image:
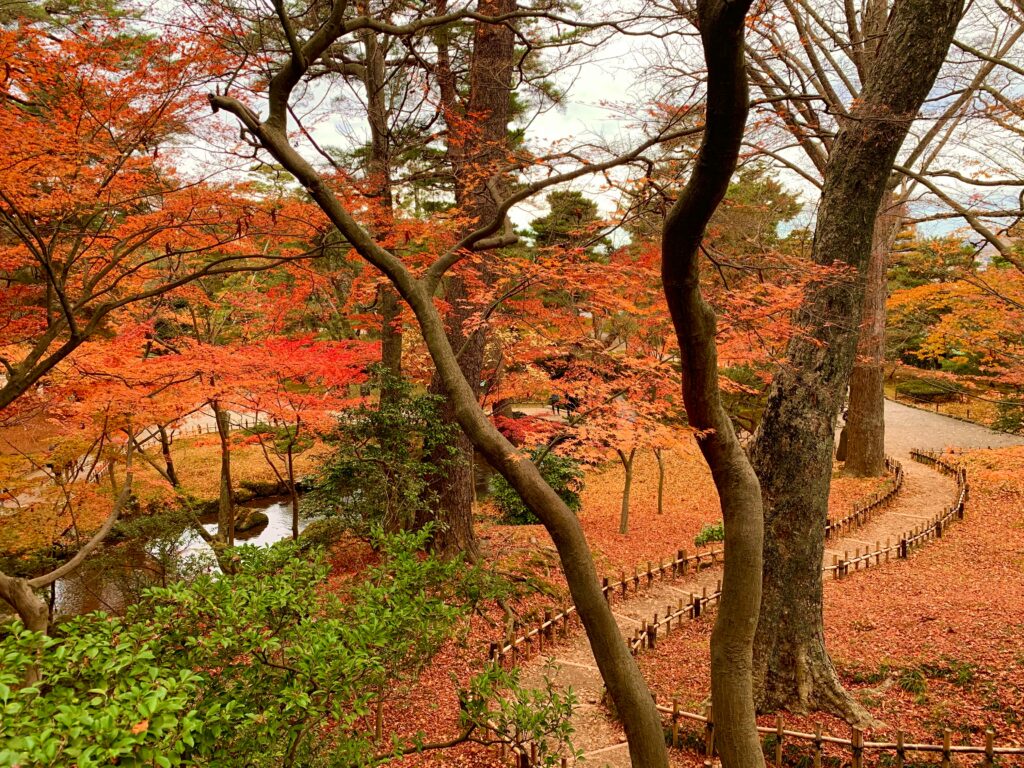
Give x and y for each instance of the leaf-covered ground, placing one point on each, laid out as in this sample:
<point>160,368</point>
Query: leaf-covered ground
<point>928,643</point>
<point>431,705</point>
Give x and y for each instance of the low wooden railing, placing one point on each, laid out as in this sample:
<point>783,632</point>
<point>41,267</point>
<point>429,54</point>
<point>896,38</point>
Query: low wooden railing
<point>647,636</point>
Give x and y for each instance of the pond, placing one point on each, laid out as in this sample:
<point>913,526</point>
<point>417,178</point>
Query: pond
<point>111,582</point>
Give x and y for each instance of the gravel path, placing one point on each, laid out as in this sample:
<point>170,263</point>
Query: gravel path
<point>925,492</point>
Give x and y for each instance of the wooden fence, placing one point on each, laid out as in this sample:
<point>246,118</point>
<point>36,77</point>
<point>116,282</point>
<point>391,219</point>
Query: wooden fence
<point>894,752</point>
<point>525,756</point>
<point>865,509</point>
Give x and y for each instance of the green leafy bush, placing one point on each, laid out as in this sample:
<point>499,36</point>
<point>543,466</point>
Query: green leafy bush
<point>246,668</point>
<point>928,391</point>
<point>1010,417</point>
<point>709,533</point>
<point>386,457</point>
<point>563,473</point>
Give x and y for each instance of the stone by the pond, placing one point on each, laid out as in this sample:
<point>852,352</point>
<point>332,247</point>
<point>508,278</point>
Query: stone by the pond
<point>249,519</point>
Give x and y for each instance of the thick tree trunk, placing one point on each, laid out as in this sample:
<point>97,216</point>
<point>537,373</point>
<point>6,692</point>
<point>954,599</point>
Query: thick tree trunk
<point>475,159</point>
<point>627,484</point>
<point>792,450</point>
<point>865,450</point>
<point>26,602</point>
<point>721,26</point>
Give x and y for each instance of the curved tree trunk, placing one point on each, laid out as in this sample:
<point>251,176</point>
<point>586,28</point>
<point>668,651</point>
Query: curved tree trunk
<point>621,675</point>
<point>721,26</point>
<point>21,594</point>
<point>865,450</point>
<point>792,450</point>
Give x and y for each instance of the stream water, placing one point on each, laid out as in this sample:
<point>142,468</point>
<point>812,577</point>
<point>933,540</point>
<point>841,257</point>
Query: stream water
<point>113,582</point>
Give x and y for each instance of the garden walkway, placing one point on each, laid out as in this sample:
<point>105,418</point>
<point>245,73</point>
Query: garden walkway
<point>925,493</point>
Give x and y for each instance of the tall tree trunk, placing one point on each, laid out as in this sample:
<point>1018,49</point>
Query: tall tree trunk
<point>391,340</point>
<point>627,484</point>
<point>618,668</point>
<point>293,492</point>
<point>474,159</point>
<point>381,188</point>
<point>792,450</point>
<point>226,501</point>
<point>865,449</point>
<point>721,25</point>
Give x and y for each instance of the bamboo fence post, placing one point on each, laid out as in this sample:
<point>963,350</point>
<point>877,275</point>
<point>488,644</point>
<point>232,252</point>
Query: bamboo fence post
<point>990,737</point>
<point>548,628</point>
<point>709,732</point>
<point>947,754</point>
<point>604,590</point>
<point>683,561</point>
<point>652,632</point>
<point>675,722</point>
<point>900,751</point>
<point>622,583</point>
<point>778,740</point>
<point>857,749</point>
<point>817,746</point>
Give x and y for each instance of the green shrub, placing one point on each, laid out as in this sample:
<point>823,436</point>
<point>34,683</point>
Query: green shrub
<point>709,533</point>
<point>927,390</point>
<point>562,473</point>
<point>912,680</point>
<point>386,458</point>
<point>243,669</point>
<point>1010,417</point>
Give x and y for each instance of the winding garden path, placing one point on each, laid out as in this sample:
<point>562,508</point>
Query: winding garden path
<point>925,492</point>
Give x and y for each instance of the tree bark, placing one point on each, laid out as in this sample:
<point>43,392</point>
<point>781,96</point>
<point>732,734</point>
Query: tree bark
<point>661,479</point>
<point>721,26</point>
<point>165,450</point>
<point>792,450</point>
<point>382,188</point>
<point>226,502</point>
<point>865,450</point>
<point>627,484</point>
<point>293,493</point>
<point>474,159</point>
<point>20,593</point>
<point>621,675</point>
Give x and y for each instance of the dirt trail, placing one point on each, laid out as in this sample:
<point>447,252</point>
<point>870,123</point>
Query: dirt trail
<point>925,493</point>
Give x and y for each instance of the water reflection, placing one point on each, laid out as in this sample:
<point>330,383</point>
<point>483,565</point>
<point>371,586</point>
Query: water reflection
<point>115,580</point>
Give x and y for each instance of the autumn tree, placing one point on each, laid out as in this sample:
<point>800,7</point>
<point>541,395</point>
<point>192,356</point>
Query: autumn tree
<point>808,65</point>
<point>418,286</point>
<point>93,218</point>
<point>792,451</point>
